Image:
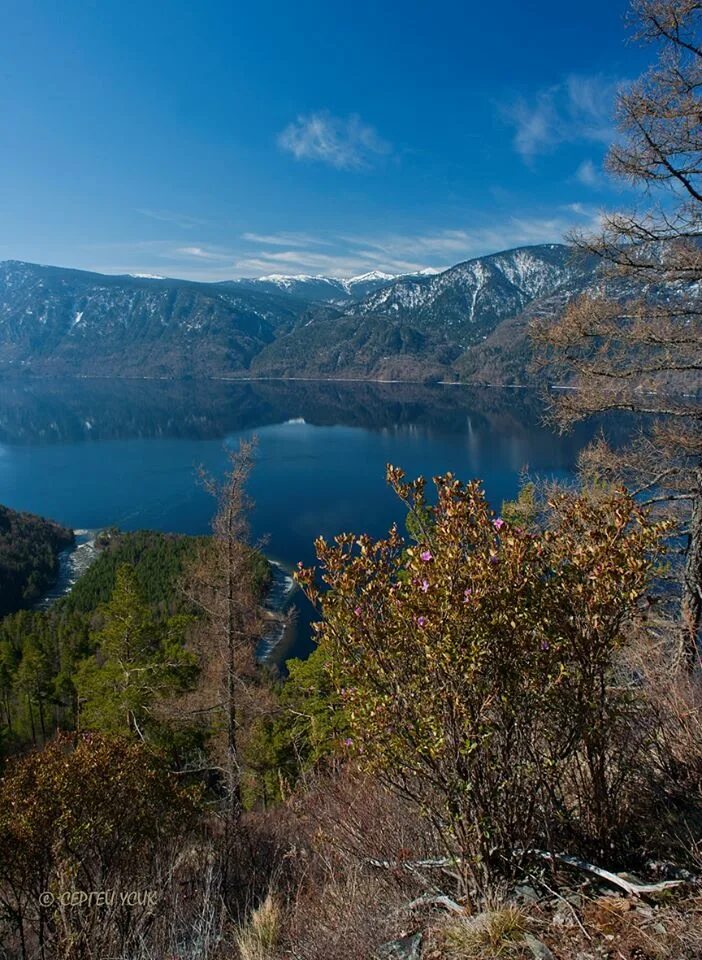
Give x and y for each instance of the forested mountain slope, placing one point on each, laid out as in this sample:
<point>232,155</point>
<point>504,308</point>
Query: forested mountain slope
<point>55,321</point>
<point>429,327</point>
<point>29,548</point>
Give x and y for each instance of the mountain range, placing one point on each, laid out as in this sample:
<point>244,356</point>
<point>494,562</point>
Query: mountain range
<point>325,289</point>
<point>467,322</point>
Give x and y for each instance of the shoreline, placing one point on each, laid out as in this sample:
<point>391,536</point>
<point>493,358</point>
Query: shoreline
<point>18,376</point>
<point>77,558</point>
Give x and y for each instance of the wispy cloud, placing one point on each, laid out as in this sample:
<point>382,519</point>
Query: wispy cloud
<point>339,255</point>
<point>344,263</point>
<point>580,108</point>
<point>347,143</point>
<point>285,239</point>
<point>584,210</point>
<point>409,252</point>
<point>588,174</point>
<point>455,245</point>
<point>182,220</point>
<point>202,253</point>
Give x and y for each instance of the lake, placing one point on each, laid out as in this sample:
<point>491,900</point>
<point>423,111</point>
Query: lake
<point>97,453</point>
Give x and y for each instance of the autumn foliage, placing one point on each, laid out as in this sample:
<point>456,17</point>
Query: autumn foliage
<point>90,814</point>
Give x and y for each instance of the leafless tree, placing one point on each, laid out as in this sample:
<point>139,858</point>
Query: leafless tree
<point>223,586</point>
<point>635,344</point>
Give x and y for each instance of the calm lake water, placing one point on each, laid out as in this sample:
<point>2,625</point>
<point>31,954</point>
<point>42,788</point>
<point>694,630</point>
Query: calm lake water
<point>99,453</point>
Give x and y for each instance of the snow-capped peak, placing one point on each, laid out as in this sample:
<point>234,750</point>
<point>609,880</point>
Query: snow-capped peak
<point>371,275</point>
<point>428,272</point>
<point>283,278</point>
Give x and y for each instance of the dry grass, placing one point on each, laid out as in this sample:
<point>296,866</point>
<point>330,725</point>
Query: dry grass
<point>346,918</point>
<point>495,933</point>
<point>611,927</point>
<point>257,940</point>
<point>641,932</point>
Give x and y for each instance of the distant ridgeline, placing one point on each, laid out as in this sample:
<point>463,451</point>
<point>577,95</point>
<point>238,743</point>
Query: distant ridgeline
<point>29,548</point>
<point>469,322</point>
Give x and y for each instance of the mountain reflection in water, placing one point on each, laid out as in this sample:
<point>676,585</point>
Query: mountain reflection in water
<point>97,453</point>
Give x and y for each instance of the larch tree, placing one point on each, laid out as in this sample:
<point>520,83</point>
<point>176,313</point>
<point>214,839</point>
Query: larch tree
<point>635,343</point>
<point>223,585</point>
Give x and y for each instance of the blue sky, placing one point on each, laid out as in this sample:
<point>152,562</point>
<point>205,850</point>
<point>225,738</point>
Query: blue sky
<point>219,139</point>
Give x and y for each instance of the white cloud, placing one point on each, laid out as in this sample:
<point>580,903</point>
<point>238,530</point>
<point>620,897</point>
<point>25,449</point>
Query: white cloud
<point>346,143</point>
<point>258,254</point>
<point>440,246</point>
<point>284,239</point>
<point>581,210</point>
<point>588,174</point>
<point>579,109</point>
<point>201,253</point>
<point>410,252</point>
<point>345,263</point>
<point>182,220</point>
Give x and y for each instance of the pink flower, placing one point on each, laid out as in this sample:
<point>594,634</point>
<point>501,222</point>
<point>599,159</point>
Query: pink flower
<point>467,593</point>
<point>498,523</point>
<point>425,586</point>
<point>426,556</point>
<point>421,621</point>
<point>357,611</point>
<point>348,742</point>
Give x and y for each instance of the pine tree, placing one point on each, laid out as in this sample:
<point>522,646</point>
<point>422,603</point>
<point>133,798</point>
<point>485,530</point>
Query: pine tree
<point>138,661</point>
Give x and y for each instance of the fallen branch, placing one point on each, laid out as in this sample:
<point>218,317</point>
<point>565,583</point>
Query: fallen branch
<point>567,903</point>
<point>414,864</point>
<point>438,900</point>
<point>633,889</point>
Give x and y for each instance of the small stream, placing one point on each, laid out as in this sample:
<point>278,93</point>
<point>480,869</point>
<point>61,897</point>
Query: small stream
<point>73,562</point>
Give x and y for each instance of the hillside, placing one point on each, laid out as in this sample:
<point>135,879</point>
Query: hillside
<point>55,321</point>
<point>29,548</point>
<point>59,321</point>
<point>439,327</point>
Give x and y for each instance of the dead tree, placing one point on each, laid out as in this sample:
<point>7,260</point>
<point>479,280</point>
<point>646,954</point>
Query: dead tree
<point>222,585</point>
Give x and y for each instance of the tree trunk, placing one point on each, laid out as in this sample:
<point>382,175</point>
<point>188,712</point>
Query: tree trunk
<point>691,607</point>
<point>234,786</point>
<point>31,720</point>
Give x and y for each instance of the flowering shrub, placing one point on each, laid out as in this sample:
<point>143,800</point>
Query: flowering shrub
<point>475,664</point>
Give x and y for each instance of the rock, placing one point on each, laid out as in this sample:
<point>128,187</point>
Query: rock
<point>538,949</point>
<point>408,948</point>
<point>526,892</point>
